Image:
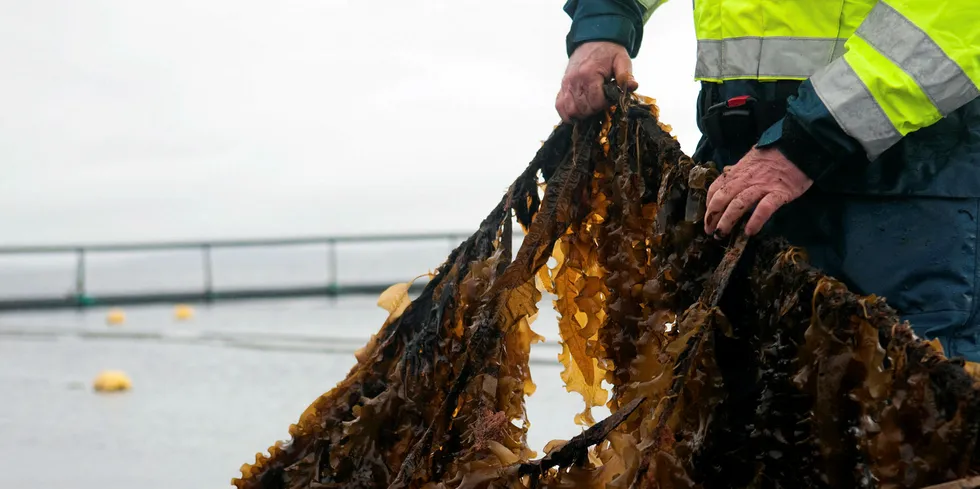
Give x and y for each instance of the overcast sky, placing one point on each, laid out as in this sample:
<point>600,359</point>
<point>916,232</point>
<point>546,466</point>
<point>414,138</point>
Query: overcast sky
<point>140,120</point>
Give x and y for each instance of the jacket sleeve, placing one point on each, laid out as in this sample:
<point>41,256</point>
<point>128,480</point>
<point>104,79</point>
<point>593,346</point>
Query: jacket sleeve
<point>619,21</point>
<point>908,65</point>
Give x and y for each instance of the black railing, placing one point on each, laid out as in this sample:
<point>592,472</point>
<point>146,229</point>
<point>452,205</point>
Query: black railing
<point>332,287</point>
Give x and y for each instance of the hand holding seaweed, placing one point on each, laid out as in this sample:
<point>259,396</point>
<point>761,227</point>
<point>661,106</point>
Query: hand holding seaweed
<point>731,363</point>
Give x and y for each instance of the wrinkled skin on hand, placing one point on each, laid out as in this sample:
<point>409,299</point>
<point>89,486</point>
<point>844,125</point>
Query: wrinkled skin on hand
<point>763,178</point>
<point>590,66</point>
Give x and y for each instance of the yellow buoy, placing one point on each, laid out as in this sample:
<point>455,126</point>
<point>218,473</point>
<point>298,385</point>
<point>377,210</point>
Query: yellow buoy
<point>183,312</point>
<point>112,381</point>
<point>115,317</point>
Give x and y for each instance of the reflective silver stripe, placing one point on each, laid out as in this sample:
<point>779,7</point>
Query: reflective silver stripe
<point>782,57</point>
<point>649,6</point>
<point>853,107</point>
<point>709,60</point>
<point>894,36</point>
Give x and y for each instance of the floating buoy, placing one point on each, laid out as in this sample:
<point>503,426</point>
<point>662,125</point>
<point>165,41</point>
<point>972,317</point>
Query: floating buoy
<point>112,381</point>
<point>115,317</point>
<point>183,312</point>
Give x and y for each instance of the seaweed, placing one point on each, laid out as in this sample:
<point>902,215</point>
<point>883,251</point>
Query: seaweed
<point>729,363</point>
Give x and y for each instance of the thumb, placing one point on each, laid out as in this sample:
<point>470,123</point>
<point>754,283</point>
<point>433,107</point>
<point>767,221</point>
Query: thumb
<point>623,71</point>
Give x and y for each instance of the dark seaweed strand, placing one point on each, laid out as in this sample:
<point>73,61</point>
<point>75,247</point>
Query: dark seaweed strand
<point>781,438</point>
<point>622,247</point>
<point>487,334</point>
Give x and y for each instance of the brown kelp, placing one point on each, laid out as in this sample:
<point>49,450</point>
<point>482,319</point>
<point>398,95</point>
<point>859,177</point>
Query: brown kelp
<point>730,363</point>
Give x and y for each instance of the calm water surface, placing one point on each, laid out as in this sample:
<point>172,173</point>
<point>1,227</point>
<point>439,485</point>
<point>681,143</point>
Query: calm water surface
<point>207,393</point>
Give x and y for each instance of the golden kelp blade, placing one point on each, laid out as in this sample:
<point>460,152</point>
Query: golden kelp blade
<point>395,298</point>
<point>728,364</point>
<point>973,369</point>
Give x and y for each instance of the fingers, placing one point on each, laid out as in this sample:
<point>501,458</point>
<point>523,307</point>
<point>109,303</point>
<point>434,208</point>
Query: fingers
<point>590,98</point>
<point>719,201</point>
<point>766,208</point>
<point>589,67</point>
<point>566,103</point>
<point>581,96</point>
<point>623,71</point>
<point>717,184</point>
<point>738,207</point>
<point>562,106</point>
<point>763,176</point>
<point>580,103</point>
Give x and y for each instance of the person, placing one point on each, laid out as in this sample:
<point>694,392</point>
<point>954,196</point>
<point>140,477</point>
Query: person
<point>850,128</point>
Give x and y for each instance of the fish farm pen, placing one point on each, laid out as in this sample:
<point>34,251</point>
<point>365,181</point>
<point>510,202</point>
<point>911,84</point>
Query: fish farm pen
<point>79,295</point>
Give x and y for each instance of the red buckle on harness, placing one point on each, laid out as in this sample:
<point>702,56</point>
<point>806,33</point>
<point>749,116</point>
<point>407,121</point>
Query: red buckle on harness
<point>738,101</point>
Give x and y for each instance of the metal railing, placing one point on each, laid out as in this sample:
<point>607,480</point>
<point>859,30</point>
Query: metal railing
<point>81,298</point>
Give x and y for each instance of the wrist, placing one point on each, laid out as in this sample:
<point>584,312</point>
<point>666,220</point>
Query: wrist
<point>609,28</point>
<point>799,147</point>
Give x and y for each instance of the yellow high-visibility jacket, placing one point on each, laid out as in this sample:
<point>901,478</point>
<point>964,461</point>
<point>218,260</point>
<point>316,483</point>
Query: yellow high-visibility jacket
<point>883,69</point>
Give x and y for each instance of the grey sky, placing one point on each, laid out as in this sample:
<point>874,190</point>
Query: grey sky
<point>139,120</point>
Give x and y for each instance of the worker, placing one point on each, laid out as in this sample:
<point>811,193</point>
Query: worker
<point>858,121</point>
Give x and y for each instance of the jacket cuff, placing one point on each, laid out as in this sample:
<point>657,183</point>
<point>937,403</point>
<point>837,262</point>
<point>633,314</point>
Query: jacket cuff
<point>809,136</point>
<point>618,21</point>
<point>799,146</point>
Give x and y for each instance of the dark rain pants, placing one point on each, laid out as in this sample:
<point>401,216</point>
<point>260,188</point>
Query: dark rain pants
<point>919,253</point>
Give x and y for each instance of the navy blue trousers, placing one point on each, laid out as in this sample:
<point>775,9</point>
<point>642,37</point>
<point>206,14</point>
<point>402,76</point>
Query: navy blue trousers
<point>919,253</point>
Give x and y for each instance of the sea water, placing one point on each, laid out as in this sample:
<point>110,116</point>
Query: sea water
<point>208,392</point>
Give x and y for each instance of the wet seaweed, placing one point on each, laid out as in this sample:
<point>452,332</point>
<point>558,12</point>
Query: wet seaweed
<point>726,363</point>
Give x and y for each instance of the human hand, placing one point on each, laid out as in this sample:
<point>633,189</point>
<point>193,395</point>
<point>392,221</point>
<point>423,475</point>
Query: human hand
<point>762,176</point>
<point>589,67</point>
